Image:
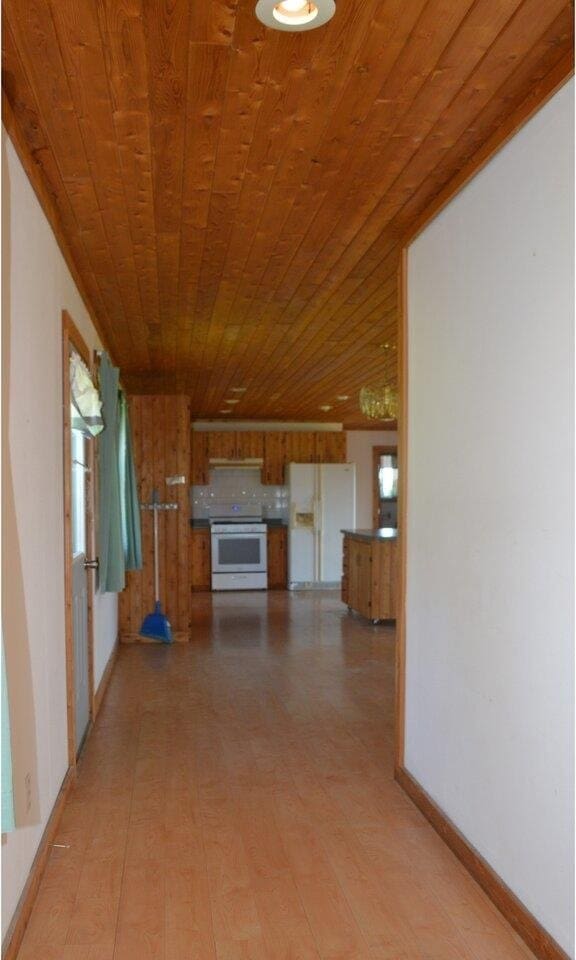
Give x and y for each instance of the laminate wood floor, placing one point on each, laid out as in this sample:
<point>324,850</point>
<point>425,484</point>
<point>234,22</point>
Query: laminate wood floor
<point>235,801</point>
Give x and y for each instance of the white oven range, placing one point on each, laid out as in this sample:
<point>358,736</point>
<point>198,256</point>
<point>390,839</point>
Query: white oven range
<point>239,559</point>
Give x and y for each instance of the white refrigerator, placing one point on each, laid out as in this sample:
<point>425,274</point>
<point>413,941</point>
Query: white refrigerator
<point>322,503</point>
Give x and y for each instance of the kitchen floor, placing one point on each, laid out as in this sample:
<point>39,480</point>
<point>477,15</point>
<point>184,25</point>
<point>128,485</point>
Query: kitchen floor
<point>235,801</point>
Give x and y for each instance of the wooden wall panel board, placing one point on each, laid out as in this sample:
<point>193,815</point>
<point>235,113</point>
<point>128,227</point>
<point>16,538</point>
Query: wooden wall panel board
<point>161,449</point>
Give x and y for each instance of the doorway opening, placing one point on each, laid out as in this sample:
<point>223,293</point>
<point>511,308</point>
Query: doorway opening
<point>78,548</point>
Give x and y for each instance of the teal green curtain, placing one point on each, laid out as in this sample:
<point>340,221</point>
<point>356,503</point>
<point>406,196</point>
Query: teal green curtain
<point>111,551</point>
<point>129,502</point>
<point>7,790</point>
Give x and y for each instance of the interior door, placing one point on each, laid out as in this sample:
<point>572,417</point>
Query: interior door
<point>79,526</point>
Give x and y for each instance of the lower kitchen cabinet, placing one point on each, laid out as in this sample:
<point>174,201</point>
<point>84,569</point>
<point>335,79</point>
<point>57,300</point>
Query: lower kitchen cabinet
<point>200,567</point>
<point>277,547</point>
<point>369,574</point>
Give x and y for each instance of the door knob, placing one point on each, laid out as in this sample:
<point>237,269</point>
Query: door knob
<point>91,564</point>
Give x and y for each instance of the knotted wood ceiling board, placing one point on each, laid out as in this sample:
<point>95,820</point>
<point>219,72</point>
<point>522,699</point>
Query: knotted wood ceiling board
<point>232,198</point>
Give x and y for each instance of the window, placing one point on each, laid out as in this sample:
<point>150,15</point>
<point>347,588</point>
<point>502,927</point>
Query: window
<point>385,483</point>
<point>79,464</point>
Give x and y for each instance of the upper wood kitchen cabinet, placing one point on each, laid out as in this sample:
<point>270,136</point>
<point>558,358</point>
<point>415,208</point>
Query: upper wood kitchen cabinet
<point>331,446</point>
<point>301,447</point>
<point>199,466</point>
<point>222,445</point>
<point>249,445</point>
<point>274,457</point>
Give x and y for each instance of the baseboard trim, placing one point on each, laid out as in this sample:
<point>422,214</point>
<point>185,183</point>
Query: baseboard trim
<point>105,679</point>
<point>533,934</point>
<point>17,928</point>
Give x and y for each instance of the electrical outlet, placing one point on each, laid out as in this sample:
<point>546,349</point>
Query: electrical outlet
<point>28,788</point>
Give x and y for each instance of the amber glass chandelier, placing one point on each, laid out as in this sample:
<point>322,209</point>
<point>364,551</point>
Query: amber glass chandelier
<point>379,403</point>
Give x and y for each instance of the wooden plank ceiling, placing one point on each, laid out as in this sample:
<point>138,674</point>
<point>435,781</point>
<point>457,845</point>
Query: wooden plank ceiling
<point>231,197</point>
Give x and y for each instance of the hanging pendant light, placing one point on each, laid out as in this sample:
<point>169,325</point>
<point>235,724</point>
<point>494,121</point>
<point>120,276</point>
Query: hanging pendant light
<point>379,403</point>
<point>295,14</point>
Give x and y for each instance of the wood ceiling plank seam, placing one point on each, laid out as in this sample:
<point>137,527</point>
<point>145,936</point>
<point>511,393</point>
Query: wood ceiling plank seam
<point>486,66</point>
<point>207,236</point>
<point>488,118</point>
<point>402,39</point>
<point>213,23</point>
<point>258,367</point>
<point>298,252</point>
<point>45,29</point>
<point>300,336</point>
<point>204,104</point>
<point>301,370</point>
<point>342,363</point>
<point>320,97</point>
<point>146,277</point>
<point>309,251</point>
<point>96,137</point>
<point>243,192</point>
<point>166,30</point>
<point>260,116</point>
<point>124,48</point>
<point>247,62</point>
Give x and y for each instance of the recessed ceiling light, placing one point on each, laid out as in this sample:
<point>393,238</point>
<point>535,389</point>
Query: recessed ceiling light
<point>295,14</point>
<point>238,389</point>
<point>232,401</point>
<point>343,396</point>
<point>326,406</point>
<point>225,411</point>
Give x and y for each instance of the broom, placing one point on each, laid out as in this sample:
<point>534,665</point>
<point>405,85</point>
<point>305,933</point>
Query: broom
<point>156,625</point>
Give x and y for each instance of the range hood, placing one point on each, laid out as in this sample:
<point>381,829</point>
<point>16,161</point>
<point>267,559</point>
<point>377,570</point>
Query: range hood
<point>238,464</point>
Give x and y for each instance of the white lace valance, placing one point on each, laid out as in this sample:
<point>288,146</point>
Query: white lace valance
<point>86,403</point>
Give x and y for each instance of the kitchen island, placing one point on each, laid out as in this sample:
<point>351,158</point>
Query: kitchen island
<point>369,572</point>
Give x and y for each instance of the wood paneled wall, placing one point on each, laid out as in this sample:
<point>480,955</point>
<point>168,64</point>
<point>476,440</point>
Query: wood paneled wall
<point>161,437</point>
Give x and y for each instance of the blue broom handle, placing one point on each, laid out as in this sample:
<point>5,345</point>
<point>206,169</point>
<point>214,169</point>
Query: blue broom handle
<point>156,577</point>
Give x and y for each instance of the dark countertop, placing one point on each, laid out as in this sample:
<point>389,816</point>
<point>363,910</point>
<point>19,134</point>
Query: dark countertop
<point>383,533</point>
<point>200,522</point>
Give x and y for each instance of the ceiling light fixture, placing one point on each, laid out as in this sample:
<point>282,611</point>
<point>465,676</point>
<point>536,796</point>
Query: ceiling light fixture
<point>232,401</point>
<point>238,389</point>
<point>326,407</point>
<point>295,14</point>
<point>343,396</point>
<point>225,411</point>
<point>379,403</point>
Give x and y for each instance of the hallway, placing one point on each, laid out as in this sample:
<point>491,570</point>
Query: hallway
<point>236,801</point>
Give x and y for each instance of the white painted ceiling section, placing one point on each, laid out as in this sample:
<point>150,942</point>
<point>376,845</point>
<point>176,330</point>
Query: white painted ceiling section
<point>490,633</point>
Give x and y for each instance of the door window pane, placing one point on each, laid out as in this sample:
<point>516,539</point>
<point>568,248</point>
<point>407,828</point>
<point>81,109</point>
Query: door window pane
<point>78,491</point>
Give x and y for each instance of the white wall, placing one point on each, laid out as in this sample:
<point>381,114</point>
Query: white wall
<point>489,708</point>
<point>37,286</point>
<point>359,444</point>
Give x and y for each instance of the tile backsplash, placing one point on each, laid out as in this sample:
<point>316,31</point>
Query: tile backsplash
<point>238,485</point>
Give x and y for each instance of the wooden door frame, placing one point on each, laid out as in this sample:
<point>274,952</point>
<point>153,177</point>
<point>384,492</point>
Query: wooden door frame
<point>377,452</point>
<point>71,337</point>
